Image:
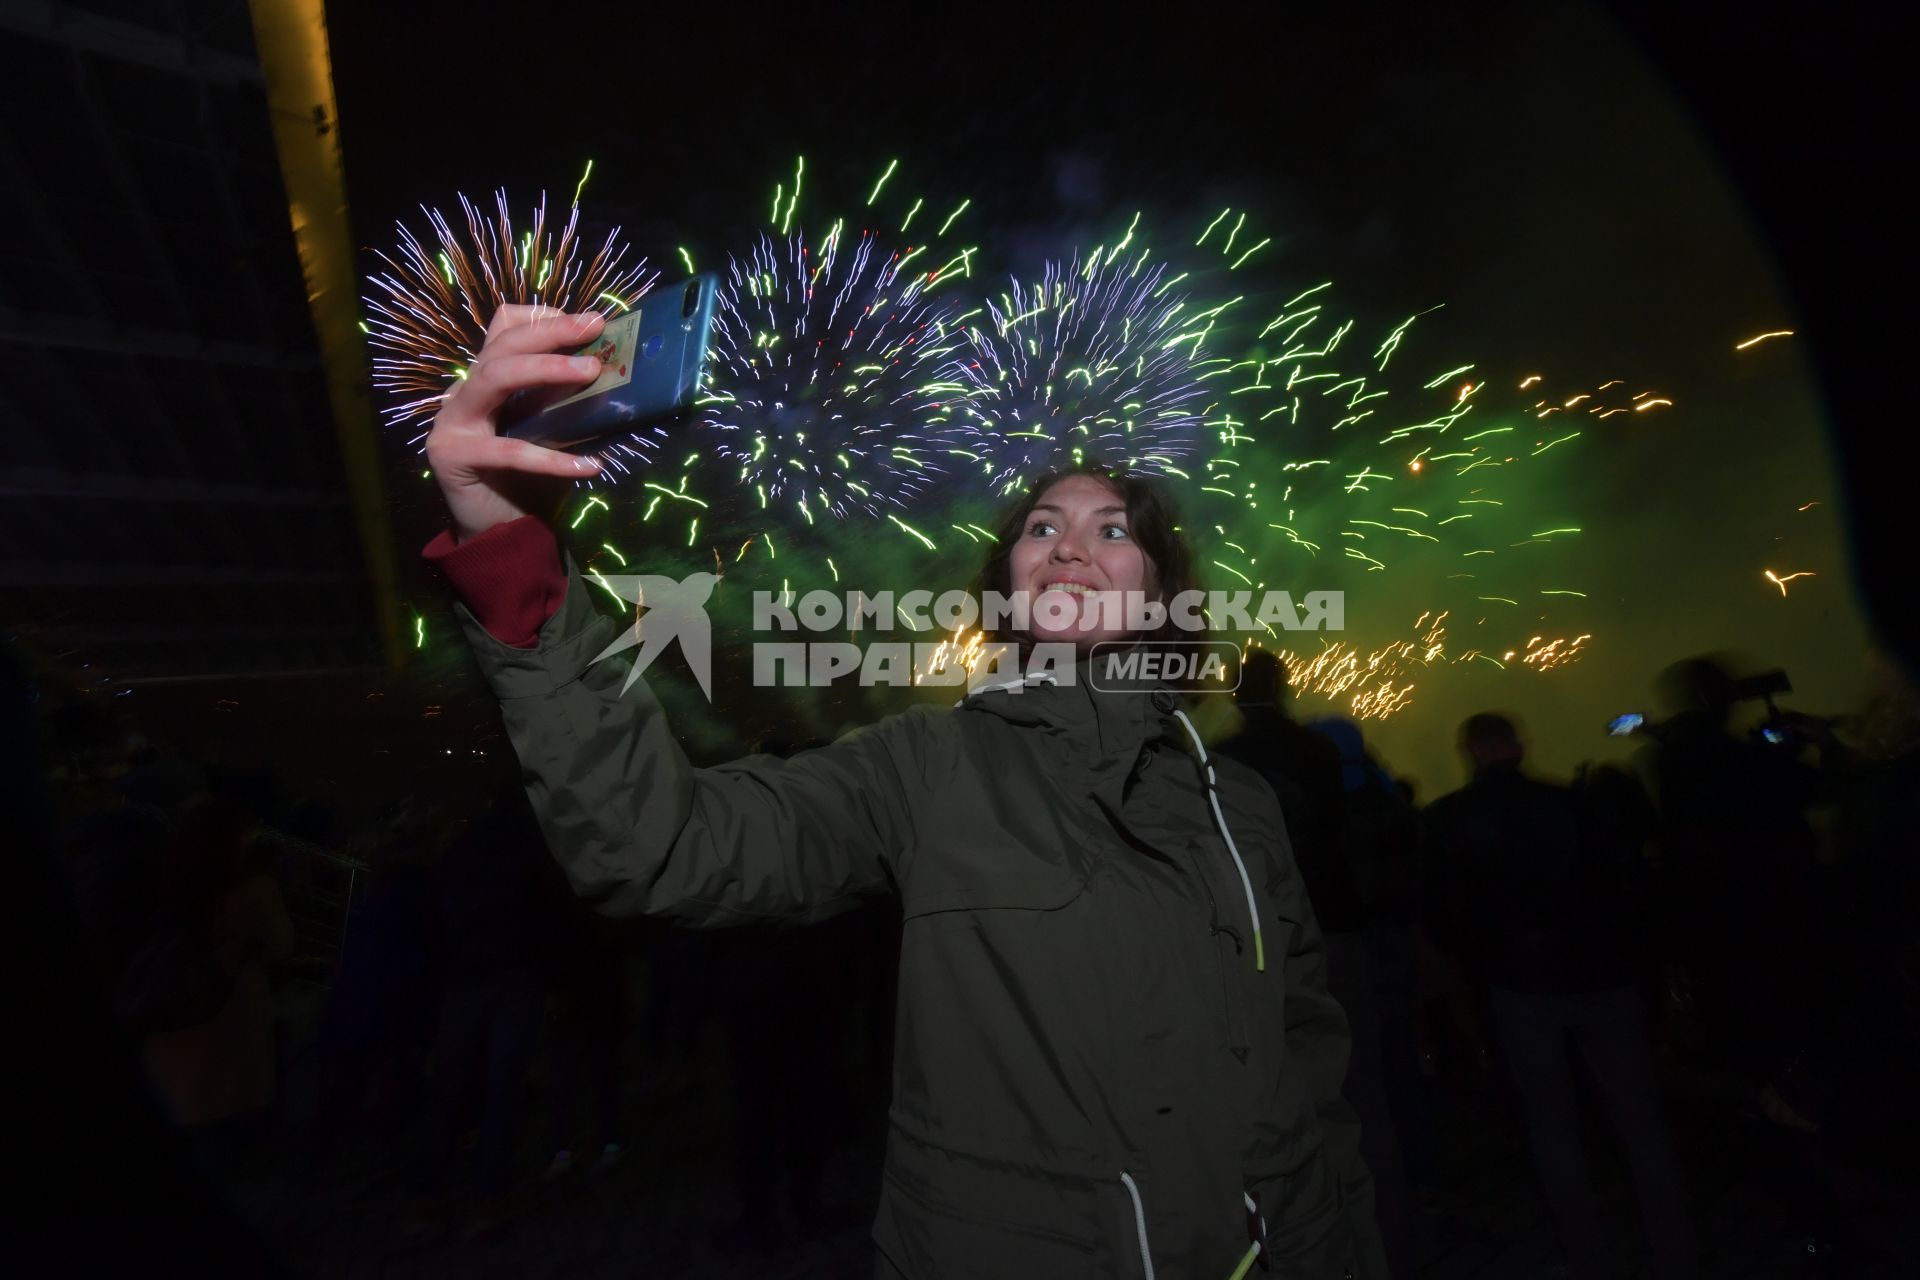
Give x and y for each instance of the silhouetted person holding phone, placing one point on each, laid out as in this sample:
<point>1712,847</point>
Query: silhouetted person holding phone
<point>1534,907</point>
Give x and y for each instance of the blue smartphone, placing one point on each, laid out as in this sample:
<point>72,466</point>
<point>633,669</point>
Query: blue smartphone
<point>1621,726</point>
<point>654,358</point>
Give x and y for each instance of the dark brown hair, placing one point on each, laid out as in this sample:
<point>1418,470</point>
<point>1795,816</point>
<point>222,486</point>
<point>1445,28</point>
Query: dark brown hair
<point>1153,522</point>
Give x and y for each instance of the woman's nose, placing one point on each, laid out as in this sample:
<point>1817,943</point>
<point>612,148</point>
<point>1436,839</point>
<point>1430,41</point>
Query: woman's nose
<point>1069,547</point>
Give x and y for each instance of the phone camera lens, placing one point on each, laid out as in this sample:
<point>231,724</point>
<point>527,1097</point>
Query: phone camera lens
<point>691,301</point>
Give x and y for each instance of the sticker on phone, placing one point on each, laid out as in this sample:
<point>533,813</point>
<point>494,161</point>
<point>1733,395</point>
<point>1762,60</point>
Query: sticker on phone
<point>614,348</point>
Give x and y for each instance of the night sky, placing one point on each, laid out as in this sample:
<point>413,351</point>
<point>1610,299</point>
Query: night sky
<point>1529,167</point>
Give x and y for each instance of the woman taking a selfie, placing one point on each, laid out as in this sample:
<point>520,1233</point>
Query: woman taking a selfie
<point>1115,1054</point>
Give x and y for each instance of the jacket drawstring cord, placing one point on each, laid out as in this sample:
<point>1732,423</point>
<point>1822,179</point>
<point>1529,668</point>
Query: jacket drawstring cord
<point>1140,1229</point>
<point>1220,820</point>
<point>1139,1222</point>
<point>1259,1241</point>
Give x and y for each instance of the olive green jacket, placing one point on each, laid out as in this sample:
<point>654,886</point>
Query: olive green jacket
<point>1093,1075</point>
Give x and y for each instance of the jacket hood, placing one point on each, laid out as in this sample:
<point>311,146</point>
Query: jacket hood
<point>1109,723</point>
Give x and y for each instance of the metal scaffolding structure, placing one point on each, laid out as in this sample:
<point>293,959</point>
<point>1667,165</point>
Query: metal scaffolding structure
<point>190,485</point>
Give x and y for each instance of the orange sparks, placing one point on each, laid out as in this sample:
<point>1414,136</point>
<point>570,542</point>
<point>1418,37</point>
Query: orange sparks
<point>1553,653</point>
<point>1762,337</point>
<point>961,649</point>
<point>1781,582</point>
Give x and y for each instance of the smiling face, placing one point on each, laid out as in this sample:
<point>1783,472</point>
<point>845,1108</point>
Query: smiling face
<point>1076,541</point>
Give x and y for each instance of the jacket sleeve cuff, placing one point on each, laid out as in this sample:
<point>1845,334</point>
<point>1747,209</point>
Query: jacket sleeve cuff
<point>572,640</point>
<point>510,577</point>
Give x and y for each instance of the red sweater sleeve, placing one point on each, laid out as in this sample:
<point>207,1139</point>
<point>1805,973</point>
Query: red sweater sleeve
<point>510,577</point>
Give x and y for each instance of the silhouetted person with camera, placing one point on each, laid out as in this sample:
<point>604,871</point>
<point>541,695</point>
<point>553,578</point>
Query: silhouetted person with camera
<point>1533,901</point>
<point>1846,1093</point>
<point>1738,850</point>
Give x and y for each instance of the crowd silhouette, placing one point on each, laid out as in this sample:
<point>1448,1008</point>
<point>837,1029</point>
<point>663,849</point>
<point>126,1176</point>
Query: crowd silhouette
<point>1739,902</point>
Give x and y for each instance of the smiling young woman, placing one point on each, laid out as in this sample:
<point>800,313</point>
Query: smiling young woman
<point>1088,530</point>
<point>1116,1055</point>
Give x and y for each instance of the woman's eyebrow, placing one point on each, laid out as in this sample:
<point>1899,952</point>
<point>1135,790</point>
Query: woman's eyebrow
<point>1098,511</point>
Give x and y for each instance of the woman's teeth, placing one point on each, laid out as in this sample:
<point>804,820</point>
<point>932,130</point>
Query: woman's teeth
<point>1071,588</point>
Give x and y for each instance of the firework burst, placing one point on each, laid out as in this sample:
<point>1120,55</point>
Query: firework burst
<point>430,305</point>
<point>1098,362</point>
<point>823,360</point>
<point>858,374</point>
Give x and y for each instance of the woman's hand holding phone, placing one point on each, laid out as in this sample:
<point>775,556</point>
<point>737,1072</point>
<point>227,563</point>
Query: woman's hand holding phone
<point>486,478</point>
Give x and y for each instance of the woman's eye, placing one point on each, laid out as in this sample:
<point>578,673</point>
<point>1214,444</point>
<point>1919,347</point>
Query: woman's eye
<point>1114,532</point>
<point>1039,528</point>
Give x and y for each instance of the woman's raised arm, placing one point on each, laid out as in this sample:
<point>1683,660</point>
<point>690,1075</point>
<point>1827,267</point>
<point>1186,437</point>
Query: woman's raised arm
<point>637,828</point>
